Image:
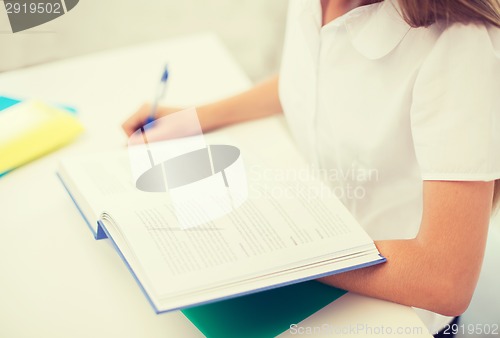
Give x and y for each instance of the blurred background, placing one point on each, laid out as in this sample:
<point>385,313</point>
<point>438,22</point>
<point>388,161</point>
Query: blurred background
<point>251,29</point>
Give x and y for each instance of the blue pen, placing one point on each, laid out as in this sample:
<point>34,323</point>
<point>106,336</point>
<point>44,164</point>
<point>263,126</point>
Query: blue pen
<point>159,95</point>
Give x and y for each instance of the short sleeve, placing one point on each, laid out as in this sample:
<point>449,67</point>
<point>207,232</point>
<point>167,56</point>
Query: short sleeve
<point>455,113</point>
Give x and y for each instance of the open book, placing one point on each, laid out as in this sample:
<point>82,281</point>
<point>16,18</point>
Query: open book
<point>272,239</point>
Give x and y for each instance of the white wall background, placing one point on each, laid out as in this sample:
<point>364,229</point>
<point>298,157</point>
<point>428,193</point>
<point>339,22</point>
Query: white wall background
<point>252,30</point>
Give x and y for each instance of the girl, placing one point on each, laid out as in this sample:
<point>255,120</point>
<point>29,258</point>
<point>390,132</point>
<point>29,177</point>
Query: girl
<point>410,89</point>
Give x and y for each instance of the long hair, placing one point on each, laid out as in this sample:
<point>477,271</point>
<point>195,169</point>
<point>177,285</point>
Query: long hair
<point>496,196</point>
<point>422,13</point>
<point>426,12</point>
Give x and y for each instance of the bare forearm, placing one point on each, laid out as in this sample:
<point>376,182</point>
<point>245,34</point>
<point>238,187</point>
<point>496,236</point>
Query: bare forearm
<point>392,280</point>
<point>260,101</point>
<point>438,270</point>
<point>414,276</point>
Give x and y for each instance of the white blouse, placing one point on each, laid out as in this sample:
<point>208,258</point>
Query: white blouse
<point>378,106</point>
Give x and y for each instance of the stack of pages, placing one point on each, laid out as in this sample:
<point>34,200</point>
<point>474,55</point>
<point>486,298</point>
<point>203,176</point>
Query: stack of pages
<point>278,236</point>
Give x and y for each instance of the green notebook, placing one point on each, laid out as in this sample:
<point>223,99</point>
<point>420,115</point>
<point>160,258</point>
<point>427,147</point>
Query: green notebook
<point>262,314</point>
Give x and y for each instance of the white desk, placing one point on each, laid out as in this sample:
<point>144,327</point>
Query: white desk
<point>56,280</point>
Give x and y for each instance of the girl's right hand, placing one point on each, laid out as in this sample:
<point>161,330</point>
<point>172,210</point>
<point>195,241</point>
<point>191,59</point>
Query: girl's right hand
<point>139,118</point>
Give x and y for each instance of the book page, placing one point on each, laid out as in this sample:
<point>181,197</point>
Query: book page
<point>288,227</point>
<point>281,221</point>
<point>100,180</point>
<point>264,235</point>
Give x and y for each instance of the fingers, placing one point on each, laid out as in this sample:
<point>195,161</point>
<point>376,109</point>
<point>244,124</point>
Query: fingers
<point>166,128</point>
<point>155,132</point>
<point>137,119</point>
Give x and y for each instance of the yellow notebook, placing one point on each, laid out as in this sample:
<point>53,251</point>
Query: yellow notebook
<point>31,129</point>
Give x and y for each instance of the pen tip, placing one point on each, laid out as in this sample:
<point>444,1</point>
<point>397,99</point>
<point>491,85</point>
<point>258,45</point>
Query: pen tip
<point>165,74</point>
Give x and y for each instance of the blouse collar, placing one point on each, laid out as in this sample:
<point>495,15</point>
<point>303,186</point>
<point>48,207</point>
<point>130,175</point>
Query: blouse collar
<point>374,30</point>
<point>378,30</point>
